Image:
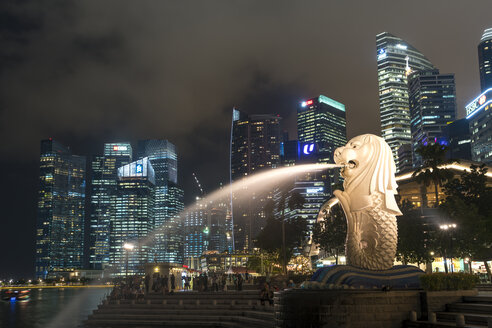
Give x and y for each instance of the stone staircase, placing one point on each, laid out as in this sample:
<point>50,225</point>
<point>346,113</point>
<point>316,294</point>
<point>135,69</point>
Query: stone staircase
<point>185,309</point>
<point>476,311</point>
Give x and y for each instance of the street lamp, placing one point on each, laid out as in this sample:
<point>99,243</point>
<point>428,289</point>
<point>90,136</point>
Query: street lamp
<point>128,248</point>
<point>448,227</point>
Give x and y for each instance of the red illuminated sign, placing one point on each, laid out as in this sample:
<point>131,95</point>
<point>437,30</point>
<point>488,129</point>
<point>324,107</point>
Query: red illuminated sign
<point>115,148</point>
<point>309,102</point>
<point>482,100</point>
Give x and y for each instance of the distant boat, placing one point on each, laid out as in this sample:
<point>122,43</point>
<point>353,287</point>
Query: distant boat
<point>16,295</point>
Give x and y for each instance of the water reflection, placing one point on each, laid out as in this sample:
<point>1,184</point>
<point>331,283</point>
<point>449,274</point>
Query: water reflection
<point>46,304</point>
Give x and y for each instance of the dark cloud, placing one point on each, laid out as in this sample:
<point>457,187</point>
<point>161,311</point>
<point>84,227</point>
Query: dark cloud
<point>86,72</point>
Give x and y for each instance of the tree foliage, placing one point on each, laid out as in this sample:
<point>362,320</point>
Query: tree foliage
<point>330,233</point>
<point>469,205</point>
<point>433,158</point>
<point>265,263</point>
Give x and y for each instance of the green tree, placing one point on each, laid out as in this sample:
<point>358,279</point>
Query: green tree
<point>265,262</point>
<point>330,234</point>
<point>433,158</point>
<point>468,204</point>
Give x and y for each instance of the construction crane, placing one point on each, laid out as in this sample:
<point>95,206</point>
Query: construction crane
<point>198,184</point>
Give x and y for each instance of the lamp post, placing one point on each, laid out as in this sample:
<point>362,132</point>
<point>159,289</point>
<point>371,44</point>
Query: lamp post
<point>128,247</point>
<point>448,228</point>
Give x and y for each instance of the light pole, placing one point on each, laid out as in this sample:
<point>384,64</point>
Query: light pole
<point>128,247</point>
<point>447,228</point>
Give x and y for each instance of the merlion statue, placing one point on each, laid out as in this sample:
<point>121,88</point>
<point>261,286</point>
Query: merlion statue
<point>368,201</point>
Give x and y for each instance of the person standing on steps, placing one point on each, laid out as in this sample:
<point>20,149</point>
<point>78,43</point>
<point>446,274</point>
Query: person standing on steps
<point>147,283</point>
<point>239,282</point>
<point>165,285</point>
<point>173,283</point>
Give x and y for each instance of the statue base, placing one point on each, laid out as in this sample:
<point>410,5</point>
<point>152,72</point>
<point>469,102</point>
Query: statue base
<point>349,277</point>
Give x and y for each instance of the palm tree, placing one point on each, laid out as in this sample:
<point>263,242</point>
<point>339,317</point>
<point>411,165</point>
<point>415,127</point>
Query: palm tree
<point>433,158</point>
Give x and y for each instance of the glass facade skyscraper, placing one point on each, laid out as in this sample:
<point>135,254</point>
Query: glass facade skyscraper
<point>432,100</point>
<point>104,171</point>
<point>61,210</point>
<point>485,60</point>
<point>255,146</point>
<point>396,59</point>
<point>321,122</point>
<point>196,230</point>
<point>134,218</point>
<point>168,244</point>
<point>479,116</point>
<point>321,128</point>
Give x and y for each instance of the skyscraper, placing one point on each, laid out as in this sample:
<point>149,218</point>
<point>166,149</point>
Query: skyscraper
<point>104,182</point>
<point>134,218</point>
<point>196,229</point>
<point>321,128</point>
<point>219,227</point>
<point>61,210</point>
<point>396,60</point>
<point>459,139</point>
<point>168,199</point>
<point>485,60</point>
<point>432,100</point>
<point>255,146</point>
<point>479,116</point>
<point>321,121</point>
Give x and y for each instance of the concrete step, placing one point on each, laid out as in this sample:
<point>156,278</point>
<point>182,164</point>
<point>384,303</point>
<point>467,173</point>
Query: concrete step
<point>480,308</point>
<point>426,324</point>
<point>152,324</point>
<point>168,320</point>
<point>477,299</point>
<point>190,302</point>
<point>127,307</point>
<point>470,318</point>
<point>184,312</point>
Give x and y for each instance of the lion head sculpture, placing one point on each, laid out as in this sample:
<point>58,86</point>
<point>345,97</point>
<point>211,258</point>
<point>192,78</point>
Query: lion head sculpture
<point>368,168</point>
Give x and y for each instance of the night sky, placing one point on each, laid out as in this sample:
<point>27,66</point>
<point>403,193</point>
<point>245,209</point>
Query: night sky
<point>89,72</point>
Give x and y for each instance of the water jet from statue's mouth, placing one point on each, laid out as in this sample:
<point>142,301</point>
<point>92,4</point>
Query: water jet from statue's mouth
<point>351,165</point>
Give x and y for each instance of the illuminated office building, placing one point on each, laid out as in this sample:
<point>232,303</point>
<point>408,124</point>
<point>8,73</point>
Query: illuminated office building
<point>196,229</point>
<point>61,210</point>
<point>321,124</point>
<point>168,244</point>
<point>479,116</point>
<point>255,146</point>
<point>485,60</point>
<point>134,218</point>
<point>458,138</point>
<point>219,227</point>
<point>104,171</point>
<point>316,189</point>
<point>432,102</point>
<point>396,59</point>
<point>321,128</point>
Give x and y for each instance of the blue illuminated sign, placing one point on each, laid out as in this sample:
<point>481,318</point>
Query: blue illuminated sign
<point>139,168</point>
<point>308,149</point>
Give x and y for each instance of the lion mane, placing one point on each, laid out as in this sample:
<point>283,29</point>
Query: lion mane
<point>378,175</point>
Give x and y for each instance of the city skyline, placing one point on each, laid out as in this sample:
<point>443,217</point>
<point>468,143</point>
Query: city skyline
<point>267,87</point>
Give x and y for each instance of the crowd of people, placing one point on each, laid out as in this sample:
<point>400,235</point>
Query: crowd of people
<point>136,287</point>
